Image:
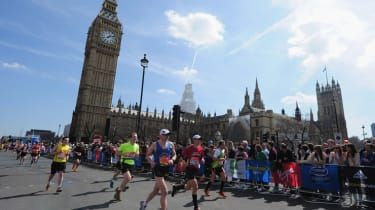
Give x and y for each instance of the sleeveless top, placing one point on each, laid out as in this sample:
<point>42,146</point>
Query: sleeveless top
<point>162,156</point>
<point>217,162</point>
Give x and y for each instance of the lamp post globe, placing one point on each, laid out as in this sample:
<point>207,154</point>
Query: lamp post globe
<point>144,64</point>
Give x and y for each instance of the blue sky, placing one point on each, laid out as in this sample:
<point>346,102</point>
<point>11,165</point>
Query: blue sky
<point>218,46</point>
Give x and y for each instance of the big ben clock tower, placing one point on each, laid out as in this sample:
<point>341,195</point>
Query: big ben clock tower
<point>98,74</point>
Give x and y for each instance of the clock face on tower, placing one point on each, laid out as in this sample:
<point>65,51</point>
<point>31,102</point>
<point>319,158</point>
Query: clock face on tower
<point>108,37</point>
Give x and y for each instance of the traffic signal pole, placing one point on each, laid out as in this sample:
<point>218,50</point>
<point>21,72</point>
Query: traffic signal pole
<point>176,121</point>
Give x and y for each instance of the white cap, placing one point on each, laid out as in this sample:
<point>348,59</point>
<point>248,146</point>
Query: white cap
<point>164,132</point>
<point>197,136</point>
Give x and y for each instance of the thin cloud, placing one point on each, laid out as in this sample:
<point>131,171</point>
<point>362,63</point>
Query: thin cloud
<point>164,91</point>
<point>253,39</point>
<point>187,74</point>
<point>198,29</point>
<point>15,66</point>
<point>40,52</point>
<point>19,28</point>
<point>301,98</point>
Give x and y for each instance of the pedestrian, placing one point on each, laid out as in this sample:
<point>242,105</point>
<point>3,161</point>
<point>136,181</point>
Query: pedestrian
<point>164,155</point>
<point>61,154</point>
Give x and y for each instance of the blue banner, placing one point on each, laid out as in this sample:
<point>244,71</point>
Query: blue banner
<point>320,177</point>
<point>258,171</point>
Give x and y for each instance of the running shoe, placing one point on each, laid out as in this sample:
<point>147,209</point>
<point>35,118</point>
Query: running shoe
<point>47,187</point>
<point>222,194</point>
<point>206,193</point>
<point>174,190</point>
<point>59,189</point>
<point>143,205</point>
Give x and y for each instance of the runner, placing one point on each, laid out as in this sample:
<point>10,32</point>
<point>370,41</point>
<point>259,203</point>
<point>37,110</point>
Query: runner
<point>128,151</point>
<point>164,154</point>
<point>23,154</point>
<point>18,149</point>
<point>35,151</point>
<point>61,155</point>
<point>118,165</point>
<point>78,152</point>
<point>218,169</point>
<point>194,156</point>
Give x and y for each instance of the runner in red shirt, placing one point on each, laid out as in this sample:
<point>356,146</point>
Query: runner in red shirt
<point>194,156</point>
<point>35,151</point>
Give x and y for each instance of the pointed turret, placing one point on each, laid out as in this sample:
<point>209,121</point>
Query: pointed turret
<point>298,115</point>
<point>246,109</point>
<point>311,116</point>
<point>283,111</point>
<point>317,87</point>
<point>155,112</point>
<point>247,98</point>
<point>257,101</point>
<point>119,103</point>
<point>198,111</point>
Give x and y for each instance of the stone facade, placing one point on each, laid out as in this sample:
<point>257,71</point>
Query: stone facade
<point>330,109</point>
<point>98,74</point>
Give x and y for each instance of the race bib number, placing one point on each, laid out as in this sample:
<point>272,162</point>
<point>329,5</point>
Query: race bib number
<point>194,161</point>
<point>61,155</point>
<point>164,160</point>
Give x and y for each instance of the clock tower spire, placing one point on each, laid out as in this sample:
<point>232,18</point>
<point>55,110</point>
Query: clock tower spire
<point>98,74</point>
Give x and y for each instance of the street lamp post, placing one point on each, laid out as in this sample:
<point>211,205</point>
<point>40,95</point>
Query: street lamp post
<point>363,132</point>
<point>144,64</point>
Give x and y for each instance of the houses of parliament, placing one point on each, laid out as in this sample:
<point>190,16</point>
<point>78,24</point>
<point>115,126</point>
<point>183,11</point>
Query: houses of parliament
<point>94,114</point>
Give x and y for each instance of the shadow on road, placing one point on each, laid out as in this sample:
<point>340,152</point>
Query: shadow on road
<point>92,192</point>
<point>97,206</point>
<point>98,182</point>
<point>277,198</point>
<point>201,200</point>
<point>24,195</point>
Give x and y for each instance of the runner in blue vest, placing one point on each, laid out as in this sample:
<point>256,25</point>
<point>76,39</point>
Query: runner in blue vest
<point>164,155</point>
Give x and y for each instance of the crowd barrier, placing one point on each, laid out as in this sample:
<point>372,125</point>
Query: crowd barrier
<point>323,179</point>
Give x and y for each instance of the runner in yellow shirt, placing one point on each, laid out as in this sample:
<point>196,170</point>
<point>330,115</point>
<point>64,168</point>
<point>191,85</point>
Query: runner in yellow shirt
<point>61,155</point>
<point>128,151</point>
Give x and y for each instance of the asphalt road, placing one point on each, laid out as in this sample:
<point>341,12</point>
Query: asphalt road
<point>22,187</point>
